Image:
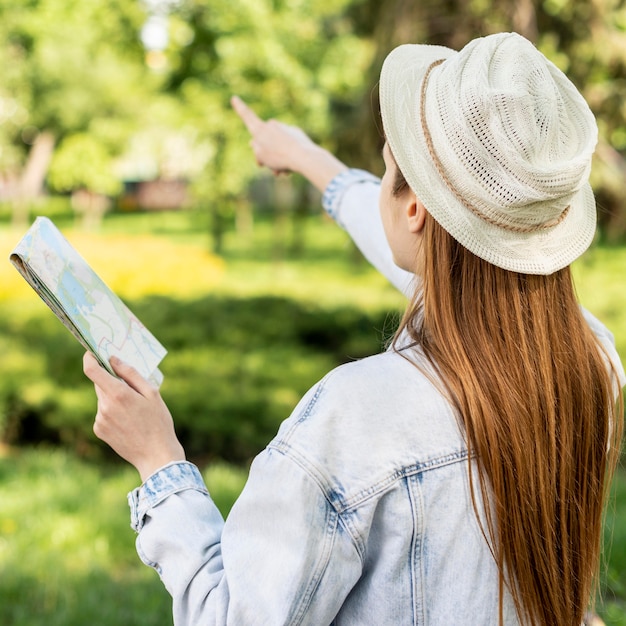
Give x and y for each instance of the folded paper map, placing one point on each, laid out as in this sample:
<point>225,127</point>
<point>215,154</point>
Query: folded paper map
<point>102,323</point>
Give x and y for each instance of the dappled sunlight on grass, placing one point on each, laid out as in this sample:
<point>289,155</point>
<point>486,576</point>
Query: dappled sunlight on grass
<point>132,265</point>
<point>139,265</point>
<point>136,265</point>
<point>64,523</point>
<point>67,554</point>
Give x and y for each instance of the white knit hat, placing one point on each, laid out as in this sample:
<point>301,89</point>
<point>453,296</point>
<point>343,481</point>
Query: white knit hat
<point>496,142</point>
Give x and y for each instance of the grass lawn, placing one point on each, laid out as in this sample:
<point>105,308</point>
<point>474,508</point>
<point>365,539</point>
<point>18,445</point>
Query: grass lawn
<point>66,549</point>
<point>67,554</point>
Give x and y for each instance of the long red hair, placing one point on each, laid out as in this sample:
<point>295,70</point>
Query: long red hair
<point>536,398</point>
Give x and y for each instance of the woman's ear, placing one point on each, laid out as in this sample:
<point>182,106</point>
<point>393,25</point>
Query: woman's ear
<point>415,213</point>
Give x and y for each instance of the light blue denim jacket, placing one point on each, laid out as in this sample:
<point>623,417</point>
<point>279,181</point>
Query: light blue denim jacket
<point>357,513</point>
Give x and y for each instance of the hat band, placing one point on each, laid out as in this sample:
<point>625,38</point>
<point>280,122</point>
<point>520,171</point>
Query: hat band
<point>530,228</point>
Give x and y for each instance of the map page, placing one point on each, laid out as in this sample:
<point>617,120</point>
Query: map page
<point>97,317</point>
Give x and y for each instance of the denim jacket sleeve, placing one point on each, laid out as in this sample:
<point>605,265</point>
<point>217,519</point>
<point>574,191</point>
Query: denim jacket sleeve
<point>351,199</point>
<point>281,558</point>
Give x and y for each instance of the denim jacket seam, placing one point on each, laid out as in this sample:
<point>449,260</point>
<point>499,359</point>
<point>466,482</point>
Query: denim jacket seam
<point>417,578</point>
<point>418,468</point>
<point>320,568</point>
<point>347,505</point>
<point>306,410</point>
<point>325,488</point>
<point>344,507</point>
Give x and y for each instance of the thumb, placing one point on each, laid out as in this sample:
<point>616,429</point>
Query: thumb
<point>131,376</point>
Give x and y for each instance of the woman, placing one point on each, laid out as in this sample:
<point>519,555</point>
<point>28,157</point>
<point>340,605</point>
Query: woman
<point>459,477</point>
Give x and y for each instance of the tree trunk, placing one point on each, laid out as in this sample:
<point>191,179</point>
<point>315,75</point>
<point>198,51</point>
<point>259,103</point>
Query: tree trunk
<point>244,217</point>
<point>612,218</point>
<point>284,200</point>
<point>33,177</point>
<point>91,206</point>
<point>217,228</point>
<point>524,19</point>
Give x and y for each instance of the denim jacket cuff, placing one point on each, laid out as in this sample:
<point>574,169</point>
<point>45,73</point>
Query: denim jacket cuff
<point>334,192</point>
<point>172,478</point>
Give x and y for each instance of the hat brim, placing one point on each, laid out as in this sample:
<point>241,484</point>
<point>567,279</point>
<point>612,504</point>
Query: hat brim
<point>542,252</point>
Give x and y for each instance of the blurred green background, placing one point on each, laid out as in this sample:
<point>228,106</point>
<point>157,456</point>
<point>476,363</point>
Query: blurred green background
<point>114,121</point>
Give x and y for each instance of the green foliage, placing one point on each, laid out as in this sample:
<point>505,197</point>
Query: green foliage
<point>72,67</point>
<point>286,58</point>
<point>82,162</point>
<point>235,370</point>
<point>70,64</point>
<point>600,288</point>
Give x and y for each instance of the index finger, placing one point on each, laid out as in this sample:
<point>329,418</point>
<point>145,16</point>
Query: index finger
<point>252,121</point>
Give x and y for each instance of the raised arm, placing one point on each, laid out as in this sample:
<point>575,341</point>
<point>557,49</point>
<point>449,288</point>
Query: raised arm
<point>284,148</point>
<point>350,196</point>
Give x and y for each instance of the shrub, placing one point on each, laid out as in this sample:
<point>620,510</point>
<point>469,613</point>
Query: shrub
<point>235,369</point>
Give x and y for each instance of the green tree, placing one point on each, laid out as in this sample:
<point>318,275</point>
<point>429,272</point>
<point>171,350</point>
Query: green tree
<point>72,67</point>
<point>290,59</point>
<point>83,166</point>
